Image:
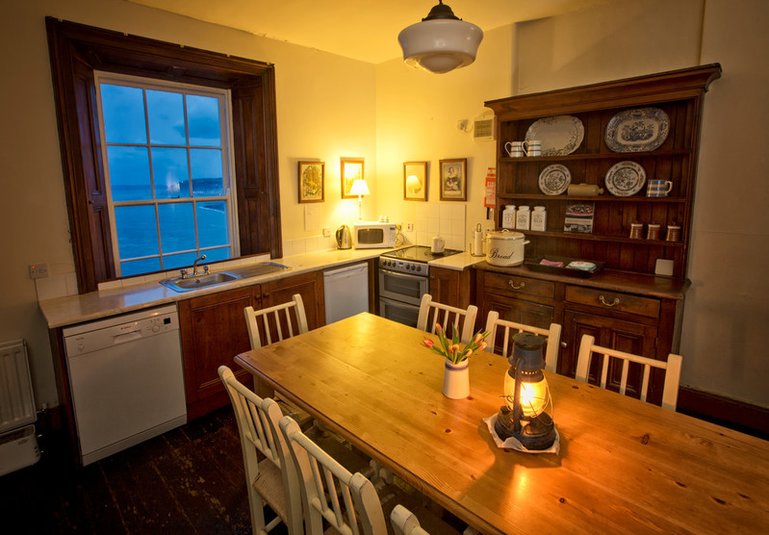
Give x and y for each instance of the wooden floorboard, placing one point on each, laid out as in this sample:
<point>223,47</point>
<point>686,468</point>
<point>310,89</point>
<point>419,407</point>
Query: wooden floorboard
<point>189,480</point>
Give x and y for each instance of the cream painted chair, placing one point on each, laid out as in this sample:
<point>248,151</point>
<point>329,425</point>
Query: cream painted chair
<point>553,335</point>
<point>269,480</point>
<point>404,522</point>
<point>273,324</point>
<point>348,502</point>
<point>588,347</point>
<point>432,313</point>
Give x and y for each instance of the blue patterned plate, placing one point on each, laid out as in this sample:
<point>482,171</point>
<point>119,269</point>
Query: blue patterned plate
<point>638,130</point>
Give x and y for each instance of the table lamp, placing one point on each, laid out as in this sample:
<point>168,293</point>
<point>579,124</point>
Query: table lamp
<point>359,188</point>
<point>527,396</point>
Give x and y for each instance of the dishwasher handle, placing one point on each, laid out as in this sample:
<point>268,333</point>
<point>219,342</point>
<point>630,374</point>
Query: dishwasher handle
<point>127,337</point>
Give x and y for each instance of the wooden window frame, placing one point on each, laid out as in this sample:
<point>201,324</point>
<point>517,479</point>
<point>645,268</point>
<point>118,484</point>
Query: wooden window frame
<point>76,51</point>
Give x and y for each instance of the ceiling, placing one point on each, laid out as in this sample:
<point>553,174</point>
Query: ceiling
<point>365,30</point>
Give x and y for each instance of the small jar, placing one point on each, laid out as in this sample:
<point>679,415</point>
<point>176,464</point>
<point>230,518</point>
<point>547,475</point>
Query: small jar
<point>522,218</point>
<point>653,232</point>
<point>636,231</point>
<point>674,233</point>
<point>508,216</point>
<point>539,219</point>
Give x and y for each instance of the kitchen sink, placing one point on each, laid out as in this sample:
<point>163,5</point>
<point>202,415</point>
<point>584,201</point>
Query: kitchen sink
<point>200,281</point>
<point>220,277</point>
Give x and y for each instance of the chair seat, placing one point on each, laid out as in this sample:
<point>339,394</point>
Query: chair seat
<point>265,483</point>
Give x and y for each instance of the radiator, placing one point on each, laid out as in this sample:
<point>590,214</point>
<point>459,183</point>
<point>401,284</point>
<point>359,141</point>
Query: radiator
<point>17,401</point>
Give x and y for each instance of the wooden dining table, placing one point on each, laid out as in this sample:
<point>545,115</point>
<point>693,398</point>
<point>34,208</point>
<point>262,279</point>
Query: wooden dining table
<point>625,466</point>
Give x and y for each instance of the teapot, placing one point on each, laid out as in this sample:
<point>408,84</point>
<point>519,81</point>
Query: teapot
<point>437,245</point>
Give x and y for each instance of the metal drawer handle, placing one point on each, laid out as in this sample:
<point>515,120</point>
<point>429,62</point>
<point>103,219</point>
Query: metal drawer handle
<point>603,301</point>
<point>515,286</point>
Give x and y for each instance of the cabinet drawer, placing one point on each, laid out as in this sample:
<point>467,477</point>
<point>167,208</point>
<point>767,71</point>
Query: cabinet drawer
<point>619,302</point>
<point>515,285</point>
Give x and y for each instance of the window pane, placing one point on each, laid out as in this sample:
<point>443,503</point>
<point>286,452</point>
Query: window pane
<point>177,227</point>
<point>179,260</point>
<point>212,223</point>
<point>206,172</point>
<point>203,119</point>
<point>172,178</point>
<point>166,114</point>
<point>137,267</point>
<point>136,231</point>
<point>213,255</point>
<point>123,109</point>
<point>129,173</point>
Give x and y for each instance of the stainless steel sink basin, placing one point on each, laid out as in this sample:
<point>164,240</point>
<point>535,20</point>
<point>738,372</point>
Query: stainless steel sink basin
<point>198,282</point>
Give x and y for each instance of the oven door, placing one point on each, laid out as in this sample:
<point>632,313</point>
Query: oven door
<point>398,311</point>
<point>402,287</point>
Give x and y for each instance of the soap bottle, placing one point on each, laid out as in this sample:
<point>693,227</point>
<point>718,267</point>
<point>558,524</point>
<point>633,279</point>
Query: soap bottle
<point>539,219</point>
<point>522,218</point>
<point>508,216</point>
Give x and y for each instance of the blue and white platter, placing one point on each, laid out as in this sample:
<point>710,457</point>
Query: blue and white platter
<point>637,130</point>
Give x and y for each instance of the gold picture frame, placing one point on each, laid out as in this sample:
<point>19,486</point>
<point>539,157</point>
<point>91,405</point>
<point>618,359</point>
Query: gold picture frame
<point>415,181</point>
<point>311,181</point>
<point>453,179</point>
<point>351,169</point>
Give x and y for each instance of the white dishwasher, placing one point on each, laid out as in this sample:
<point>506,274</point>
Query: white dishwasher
<point>126,380</point>
<point>346,291</point>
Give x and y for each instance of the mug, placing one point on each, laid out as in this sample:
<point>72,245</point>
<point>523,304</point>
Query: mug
<point>658,187</point>
<point>635,230</point>
<point>532,147</point>
<point>514,149</point>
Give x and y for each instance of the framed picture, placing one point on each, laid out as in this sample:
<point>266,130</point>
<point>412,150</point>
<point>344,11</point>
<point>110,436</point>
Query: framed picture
<point>352,170</point>
<point>415,181</point>
<point>454,180</point>
<point>311,177</point>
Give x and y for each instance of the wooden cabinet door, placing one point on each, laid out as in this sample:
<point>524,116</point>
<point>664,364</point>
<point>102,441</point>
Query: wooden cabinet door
<point>511,309</point>
<point>213,331</point>
<point>308,285</point>
<point>629,336</point>
<point>452,287</point>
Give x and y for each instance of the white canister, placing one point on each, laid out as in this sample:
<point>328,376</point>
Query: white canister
<point>508,216</point>
<point>505,248</point>
<point>539,219</point>
<point>522,218</point>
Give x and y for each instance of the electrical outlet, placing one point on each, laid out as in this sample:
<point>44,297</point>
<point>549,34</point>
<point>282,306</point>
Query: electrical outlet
<point>38,271</point>
<point>326,232</point>
<point>409,227</point>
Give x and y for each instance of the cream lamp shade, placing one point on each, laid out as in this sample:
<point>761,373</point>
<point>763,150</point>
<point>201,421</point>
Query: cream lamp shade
<point>441,42</point>
<point>359,187</point>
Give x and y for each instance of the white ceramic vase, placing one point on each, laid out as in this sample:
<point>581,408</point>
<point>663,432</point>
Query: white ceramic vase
<point>456,380</point>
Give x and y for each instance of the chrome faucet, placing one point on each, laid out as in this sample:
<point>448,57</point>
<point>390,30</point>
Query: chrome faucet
<point>197,261</point>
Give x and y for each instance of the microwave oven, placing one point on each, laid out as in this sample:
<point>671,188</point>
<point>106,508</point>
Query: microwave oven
<point>374,235</point>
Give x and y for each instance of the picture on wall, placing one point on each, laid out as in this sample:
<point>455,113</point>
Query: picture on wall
<point>415,181</point>
<point>454,179</point>
<point>351,170</point>
<point>311,178</point>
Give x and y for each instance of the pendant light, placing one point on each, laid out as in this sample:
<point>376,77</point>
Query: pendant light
<point>441,42</point>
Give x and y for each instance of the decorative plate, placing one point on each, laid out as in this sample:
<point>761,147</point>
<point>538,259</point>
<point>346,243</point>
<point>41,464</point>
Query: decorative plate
<point>625,179</point>
<point>638,130</point>
<point>560,135</point>
<point>554,179</point>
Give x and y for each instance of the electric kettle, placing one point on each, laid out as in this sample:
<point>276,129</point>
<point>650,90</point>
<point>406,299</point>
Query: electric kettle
<point>343,237</point>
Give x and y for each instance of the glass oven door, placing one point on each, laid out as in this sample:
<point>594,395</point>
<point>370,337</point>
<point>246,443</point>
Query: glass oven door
<point>398,311</point>
<point>402,287</point>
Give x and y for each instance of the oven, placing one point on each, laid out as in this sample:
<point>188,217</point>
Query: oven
<point>404,277</point>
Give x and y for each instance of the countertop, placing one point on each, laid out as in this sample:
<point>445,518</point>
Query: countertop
<point>70,310</point>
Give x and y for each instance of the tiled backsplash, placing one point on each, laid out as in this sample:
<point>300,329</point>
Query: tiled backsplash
<point>446,220</point>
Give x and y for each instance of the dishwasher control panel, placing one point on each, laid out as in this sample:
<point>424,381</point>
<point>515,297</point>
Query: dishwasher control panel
<point>92,337</point>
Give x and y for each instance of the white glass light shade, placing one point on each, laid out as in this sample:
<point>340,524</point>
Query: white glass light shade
<point>535,397</point>
<point>440,45</point>
<point>359,187</point>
